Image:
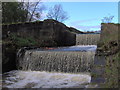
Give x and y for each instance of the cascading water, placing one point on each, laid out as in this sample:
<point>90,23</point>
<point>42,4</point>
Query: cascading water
<point>57,61</point>
<point>53,67</point>
<point>87,39</point>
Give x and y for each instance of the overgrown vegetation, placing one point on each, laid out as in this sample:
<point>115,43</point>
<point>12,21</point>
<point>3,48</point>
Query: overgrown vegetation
<point>23,41</point>
<point>20,41</point>
<point>13,12</point>
<point>109,38</point>
<point>111,74</point>
<point>20,11</point>
<point>109,46</point>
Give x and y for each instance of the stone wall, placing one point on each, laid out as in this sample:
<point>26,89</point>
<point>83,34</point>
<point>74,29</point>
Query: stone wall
<point>47,33</point>
<point>109,40</point>
<point>108,30</point>
<point>106,65</point>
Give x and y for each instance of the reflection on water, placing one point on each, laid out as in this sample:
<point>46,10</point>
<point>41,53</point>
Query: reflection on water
<point>37,79</point>
<point>70,48</point>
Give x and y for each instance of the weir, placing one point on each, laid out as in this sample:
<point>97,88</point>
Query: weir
<point>87,39</point>
<point>72,61</point>
<point>61,67</point>
<point>51,67</point>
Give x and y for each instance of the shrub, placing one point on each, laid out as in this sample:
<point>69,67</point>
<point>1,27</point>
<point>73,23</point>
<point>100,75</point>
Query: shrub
<point>20,41</point>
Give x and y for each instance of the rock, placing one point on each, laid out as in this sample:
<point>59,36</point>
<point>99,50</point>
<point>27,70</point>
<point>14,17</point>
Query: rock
<point>8,58</point>
<point>113,43</point>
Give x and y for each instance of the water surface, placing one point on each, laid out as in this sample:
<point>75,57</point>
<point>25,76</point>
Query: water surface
<point>70,48</point>
<point>37,79</point>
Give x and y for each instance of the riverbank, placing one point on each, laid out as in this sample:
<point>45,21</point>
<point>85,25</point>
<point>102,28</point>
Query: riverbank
<point>109,48</point>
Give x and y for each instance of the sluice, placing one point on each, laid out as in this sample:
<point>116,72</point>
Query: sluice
<point>72,59</point>
<point>60,61</point>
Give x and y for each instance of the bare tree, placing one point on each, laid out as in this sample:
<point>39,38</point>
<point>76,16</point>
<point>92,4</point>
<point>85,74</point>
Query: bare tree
<point>107,19</point>
<point>34,9</point>
<point>57,13</point>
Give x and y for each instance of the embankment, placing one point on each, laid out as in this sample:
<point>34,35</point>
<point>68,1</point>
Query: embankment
<point>108,47</point>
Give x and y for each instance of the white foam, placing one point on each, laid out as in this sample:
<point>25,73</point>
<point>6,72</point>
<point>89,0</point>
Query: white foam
<point>37,79</point>
<point>85,46</point>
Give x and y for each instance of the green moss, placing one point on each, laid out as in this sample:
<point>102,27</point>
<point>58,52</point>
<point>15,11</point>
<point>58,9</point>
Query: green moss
<point>111,71</point>
<point>20,41</point>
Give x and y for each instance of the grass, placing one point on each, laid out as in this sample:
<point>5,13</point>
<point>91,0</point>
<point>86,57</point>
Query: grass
<point>20,41</point>
<point>112,71</point>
